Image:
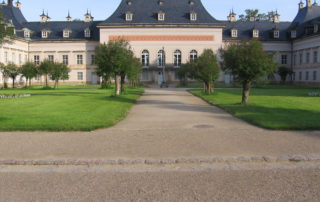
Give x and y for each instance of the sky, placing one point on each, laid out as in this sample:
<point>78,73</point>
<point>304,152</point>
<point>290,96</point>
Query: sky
<point>102,9</point>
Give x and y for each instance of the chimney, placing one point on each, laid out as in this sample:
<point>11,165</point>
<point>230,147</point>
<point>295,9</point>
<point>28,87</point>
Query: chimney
<point>301,5</point>
<point>10,2</point>
<point>18,4</point>
<point>309,4</point>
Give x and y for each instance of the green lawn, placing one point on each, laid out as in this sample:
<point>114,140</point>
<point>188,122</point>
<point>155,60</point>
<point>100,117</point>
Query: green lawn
<point>274,108</point>
<point>69,108</point>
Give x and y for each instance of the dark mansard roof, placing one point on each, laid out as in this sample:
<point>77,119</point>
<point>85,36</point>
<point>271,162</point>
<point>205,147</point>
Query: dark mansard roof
<point>145,12</point>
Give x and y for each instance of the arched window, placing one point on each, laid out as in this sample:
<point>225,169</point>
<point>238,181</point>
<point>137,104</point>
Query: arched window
<point>177,58</point>
<point>145,58</point>
<point>161,58</point>
<point>193,55</point>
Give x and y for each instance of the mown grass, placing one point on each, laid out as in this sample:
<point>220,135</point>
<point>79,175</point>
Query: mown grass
<point>273,108</point>
<point>69,108</point>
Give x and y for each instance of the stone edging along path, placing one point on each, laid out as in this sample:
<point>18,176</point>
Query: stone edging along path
<point>76,162</point>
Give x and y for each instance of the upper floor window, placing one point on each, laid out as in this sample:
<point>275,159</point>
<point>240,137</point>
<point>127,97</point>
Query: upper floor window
<point>276,34</point>
<point>87,33</point>
<point>36,59</point>
<point>308,58</point>
<point>161,58</point>
<point>255,33</point>
<point>294,59</point>
<point>314,75</point>
<point>315,57</point>
<point>6,57</point>
<point>93,59</point>
<point>65,59</point>
<point>316,28</point>
<point>177,58</point>
<point>161,16</point>
<point>284,59</point>
<point>51,58</point>
<point>293,34</point>
<point>193,55</point>
<point>129,16</point>
<point>234,33</point>
<point>300,58</point>
<point>145,58</point>
<point>193,16</point>
<point>79,59</point>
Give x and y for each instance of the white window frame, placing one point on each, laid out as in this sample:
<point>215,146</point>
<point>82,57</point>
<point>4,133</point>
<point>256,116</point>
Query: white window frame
<point>51,58</point>
<point>177,58</point>
<point>93,59</point>
<point>193,16</point>
<point>276,34</point>
<point>161,60</point>
<point>129,17</point>
<point>234,33</point>
<point>87,33</point>
<point>26,34</point>
<point>36,59</point>
<point>65,59</point>
<point>44,34</point>
<point>13,57</point>
<point>145,58</point>
<point>255,33</point>
<point>66,33</point>
<point>5,57</point>
<point>193,55</point>
<point>80,76</point>
<point>79,59</point>
<point>161,16</point>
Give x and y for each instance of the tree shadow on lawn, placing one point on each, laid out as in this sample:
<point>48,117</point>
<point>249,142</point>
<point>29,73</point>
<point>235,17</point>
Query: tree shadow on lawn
<point>276,118</point>
<point>270,92</point>
<point>66,94</point>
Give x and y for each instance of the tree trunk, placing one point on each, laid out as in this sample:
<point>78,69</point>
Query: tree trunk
<point>56,84</point>
<point>30,82</point>
<point>123,77</point>
<point>117,82</point>
<point>13,80</point>
<point>46,80</point>
<point>245,92</point>
<point>26,82</point>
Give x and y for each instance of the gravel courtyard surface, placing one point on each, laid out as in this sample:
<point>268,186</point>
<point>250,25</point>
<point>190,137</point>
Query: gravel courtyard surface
<point>165,124</point>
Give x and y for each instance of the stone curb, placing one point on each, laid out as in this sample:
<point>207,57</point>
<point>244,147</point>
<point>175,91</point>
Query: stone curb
<point>263,159</point>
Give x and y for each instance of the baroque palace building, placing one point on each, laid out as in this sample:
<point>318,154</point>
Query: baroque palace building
<point>164,34</point>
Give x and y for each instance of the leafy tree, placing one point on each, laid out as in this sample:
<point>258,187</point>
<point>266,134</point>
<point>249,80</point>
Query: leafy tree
<point>13,72</point>
<point>207,70</point>
<point>6,30</point>
<point>134,70</point>
<point>5,74</point>
<point>58,72</point>
<point>255,13</point>
<point>45,69</point>
<point>29,71</point>
<point>114,58</point>
<point>284,72</point>
<point>185,72</point>
<point>247,62</point>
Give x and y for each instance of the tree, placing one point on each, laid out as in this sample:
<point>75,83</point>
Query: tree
<point>247,62</point>
<point>257,16</point>
<point>5,74</point>
<point>45,69</point>
<point>114,58</point>
<point>13,72</point>
<point>284,72</point>
<point>134,70</point>
<point>29,71</point>
<point>6,30</point>
<point>58,72</point>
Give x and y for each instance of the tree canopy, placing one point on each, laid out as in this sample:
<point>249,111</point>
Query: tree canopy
<point>6,30</point>
<point>256,14</point>
<point>29,71</point>
<point>247,62</point>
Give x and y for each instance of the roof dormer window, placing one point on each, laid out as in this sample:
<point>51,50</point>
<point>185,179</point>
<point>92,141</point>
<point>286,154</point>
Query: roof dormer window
<point>276,34</point>
<point>129,16</point>
<point>255,33</point>
<point>293,34</point>
<point>161,16</point>
<point>45,34</point>
<point>234,33</point>
<point>87,33</point>
<point>26,34</point>
<point>66,33</point>
<point>193,16</point>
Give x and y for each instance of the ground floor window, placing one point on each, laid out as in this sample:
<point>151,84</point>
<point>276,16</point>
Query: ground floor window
<point>314,75</point>
<point>307,76</point>
<point>79,59</point>
<point>36,59</point>
<point>51,58</point>
<point>80,76</point>
<point>161,58</point>
<point>145,76</point>
<point>177,58</point>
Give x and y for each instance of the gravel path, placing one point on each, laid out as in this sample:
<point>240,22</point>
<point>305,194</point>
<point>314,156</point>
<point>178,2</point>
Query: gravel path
<point>165,124</point>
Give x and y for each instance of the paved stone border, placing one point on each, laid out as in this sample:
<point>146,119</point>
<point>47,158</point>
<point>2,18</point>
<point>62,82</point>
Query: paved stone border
<point>265,159</point>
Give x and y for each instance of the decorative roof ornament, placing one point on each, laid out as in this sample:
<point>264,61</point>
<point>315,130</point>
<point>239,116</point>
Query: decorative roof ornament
<point>69,18</point>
